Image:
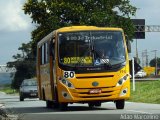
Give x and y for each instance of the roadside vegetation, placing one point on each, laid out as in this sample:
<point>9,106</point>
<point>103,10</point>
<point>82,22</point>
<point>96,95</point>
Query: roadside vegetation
<point>146,92</point>
<point>8,90</point>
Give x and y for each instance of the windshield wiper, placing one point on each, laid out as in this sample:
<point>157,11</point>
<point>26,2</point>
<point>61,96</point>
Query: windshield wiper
<point>119,65</point>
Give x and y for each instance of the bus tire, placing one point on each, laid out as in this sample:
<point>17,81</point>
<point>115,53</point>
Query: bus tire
<point>120,104</point>
<point>56,102</point>
<point>97,104</point>
<point>49,104</point>
<point>63,106</point>
<point>55,105</point>
<point>43,93</point>
<point>91,105</point>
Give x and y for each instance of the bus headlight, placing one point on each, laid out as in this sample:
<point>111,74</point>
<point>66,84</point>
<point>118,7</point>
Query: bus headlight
<point>67,83</point>
<point>66,95</point>
<point>123,92</point>
<point>122,80</point>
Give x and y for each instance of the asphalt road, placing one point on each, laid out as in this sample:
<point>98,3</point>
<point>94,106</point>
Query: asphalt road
<point>34,109</point>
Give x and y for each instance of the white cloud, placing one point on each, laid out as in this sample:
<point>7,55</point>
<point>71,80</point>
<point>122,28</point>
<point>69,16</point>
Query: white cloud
<point>12,17</point>
<point>148,10</point>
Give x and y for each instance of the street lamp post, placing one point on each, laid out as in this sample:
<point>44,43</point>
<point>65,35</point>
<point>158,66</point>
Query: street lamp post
<point>136,51</point>
<point>136,42</point>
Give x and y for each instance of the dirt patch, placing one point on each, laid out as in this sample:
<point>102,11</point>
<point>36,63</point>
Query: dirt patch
<point>9,114</point>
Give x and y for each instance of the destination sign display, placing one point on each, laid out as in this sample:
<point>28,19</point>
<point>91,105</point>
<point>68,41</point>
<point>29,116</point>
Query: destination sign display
<point>74,60</point>
<point>93,37</point>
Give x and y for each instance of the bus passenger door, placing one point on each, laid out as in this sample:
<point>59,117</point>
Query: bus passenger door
<point>52,67</point>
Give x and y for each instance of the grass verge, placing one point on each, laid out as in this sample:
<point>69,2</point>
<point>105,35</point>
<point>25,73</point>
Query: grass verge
<point>8,90</point>
<point>146,92</point>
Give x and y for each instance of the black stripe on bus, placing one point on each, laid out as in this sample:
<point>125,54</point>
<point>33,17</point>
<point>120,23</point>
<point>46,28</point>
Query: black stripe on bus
<point>95,76</point>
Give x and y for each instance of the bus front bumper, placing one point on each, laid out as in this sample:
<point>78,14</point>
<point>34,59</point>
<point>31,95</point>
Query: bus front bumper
<point>83,94</point>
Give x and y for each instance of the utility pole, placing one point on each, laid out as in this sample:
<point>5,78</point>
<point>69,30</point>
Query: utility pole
<point>145,54</point>
<point>142,59</point>
<point>147,63</point>
<point>155,52</point>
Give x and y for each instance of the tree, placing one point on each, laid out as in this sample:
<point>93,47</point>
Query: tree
<point>53,14</point>
<point>153,62</point>
<point>24,64</point>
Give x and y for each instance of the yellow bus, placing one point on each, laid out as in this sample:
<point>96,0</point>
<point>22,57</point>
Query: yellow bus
<point>83,64</point>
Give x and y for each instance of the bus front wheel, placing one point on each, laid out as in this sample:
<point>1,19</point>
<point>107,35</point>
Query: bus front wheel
<point>49,104</point>
<point>63,106</point>
<point>120,104</point>
<point>98,104</point>
<point>56,102</point>
<point>91,105</point>
<point>94,104</point>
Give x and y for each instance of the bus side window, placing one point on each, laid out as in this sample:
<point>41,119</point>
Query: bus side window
<point>42,55</point>
<point>46,52</point>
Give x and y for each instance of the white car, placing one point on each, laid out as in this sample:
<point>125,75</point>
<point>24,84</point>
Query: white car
<point>28,89</point>
<point>140,74</point>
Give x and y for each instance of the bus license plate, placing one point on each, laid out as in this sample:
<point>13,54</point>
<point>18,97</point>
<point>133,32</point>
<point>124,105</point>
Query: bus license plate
<point>95,91</point>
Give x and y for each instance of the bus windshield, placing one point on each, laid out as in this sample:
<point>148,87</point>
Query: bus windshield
<point>91,48</point>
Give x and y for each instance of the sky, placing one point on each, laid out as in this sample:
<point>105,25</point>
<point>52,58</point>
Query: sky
<point>16,27</point>
<point>148,10</point>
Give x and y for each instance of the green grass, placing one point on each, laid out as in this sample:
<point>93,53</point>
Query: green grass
<point>146,92</point>
<point>7,89</point>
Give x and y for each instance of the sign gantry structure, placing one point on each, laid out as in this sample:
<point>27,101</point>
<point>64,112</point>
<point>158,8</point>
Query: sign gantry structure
<point>5,69</point>
<point>147,28</point>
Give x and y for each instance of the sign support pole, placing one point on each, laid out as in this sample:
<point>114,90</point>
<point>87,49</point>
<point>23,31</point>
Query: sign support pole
<point>133,77</point>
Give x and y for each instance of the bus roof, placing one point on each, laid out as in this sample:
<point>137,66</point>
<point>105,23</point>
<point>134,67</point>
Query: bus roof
<point>79,28</point>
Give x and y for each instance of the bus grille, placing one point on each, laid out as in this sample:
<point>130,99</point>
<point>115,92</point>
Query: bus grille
<point>95,96</point>
<point>84,93</point>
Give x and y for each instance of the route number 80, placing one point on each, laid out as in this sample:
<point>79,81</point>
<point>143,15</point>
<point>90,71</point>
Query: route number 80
<point>69,74</point>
